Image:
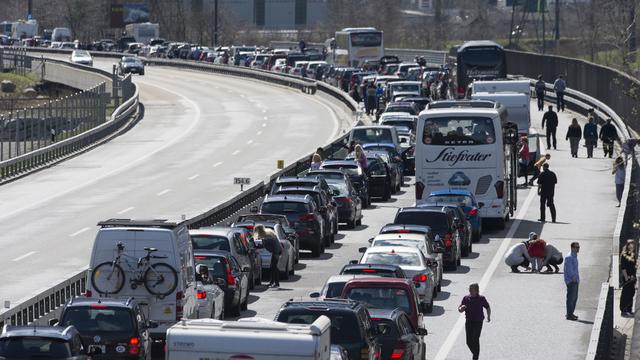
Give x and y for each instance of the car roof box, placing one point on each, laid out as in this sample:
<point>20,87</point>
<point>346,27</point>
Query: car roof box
<point>155,223</point>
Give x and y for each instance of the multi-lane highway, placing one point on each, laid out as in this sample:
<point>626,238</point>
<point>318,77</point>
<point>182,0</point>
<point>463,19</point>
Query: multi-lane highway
<point>198,132</point>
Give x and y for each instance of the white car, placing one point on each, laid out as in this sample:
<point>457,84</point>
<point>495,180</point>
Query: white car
<point>332,288</point>
<point>297,69</point>
<point>210,300</point>
<point>287,257</point>
<point>414,265</point>
<point>280,65</point>
<point>399,119</point>
<point>81,57</point>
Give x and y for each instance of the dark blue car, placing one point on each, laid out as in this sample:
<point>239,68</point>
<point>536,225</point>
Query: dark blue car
<point>467,201</point>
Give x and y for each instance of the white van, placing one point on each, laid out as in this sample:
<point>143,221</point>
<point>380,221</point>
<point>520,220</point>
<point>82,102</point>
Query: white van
<point>518,107</point>
<point>380,134</point>
<point>494,86</point>
<point>252,338</point>
<point>124,241</point>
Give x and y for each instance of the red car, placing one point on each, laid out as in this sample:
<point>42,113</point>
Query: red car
<point>386,293</point>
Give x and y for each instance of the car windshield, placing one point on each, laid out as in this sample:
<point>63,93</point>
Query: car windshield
<point>284,207</point>
<point>435,219</point>
<point>392,258</point>
<point>334,289</point>
<point>130,60</point>
<point>82,53</point>
<point>450,198</point>
<point>210,242</point>
<point>99,319</point>
<point>381,298</point>
<point>34,347</point>
<point>372,135</point>
<point>215,265</point>
<point>459,131</point>
<point>404,242</point>
<point>344,327</point>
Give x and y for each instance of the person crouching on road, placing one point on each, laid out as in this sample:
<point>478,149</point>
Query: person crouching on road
<point>628,261</point>
<point>552,257</point>
<point>518,255</point>
<point>272,245</point>
<point>473,306</point>
<point>536,252</point>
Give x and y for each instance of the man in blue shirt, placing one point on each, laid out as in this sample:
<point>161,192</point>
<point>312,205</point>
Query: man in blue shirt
<point>572,279</point>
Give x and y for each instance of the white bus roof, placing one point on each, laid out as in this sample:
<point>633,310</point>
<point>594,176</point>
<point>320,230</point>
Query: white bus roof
<point>362,29</point>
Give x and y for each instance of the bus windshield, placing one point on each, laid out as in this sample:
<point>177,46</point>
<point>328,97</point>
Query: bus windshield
<point>362,39</point>
<point>459,131</point>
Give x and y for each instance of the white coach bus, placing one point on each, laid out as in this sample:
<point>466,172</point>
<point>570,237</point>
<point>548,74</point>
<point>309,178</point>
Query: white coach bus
<point>462,145</point>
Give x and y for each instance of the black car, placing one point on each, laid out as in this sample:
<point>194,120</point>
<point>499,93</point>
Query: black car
<point>380,177</point>
<point>442,223</point>
<point>232,279</point>
<point>463,225</point>
<point>349,203</point>
<point>288,229</point>
<point>41,342</point>
<point>327,206</point>
<point>356,174</point>
<point>110,328</point>
<point>393,159</point>
<point>303,214</point>
<point>420,101</point>
<point>397,337</point>
<point>382,270</point>
<point>351,325</point>
<point>131,64</point>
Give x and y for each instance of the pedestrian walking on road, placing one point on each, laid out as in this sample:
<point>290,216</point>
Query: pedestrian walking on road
<point>524,159</point>
<point>552,257</point>
<point>540,88</point>
<point>620,172</point>
<point>546,189</point>
<point>361,158</point>
<point>559,86</point>
<point>370,99</point>
<point>574,134</point>
<point>473,306</point>
<point>572,280</point>
<point>551,119</point>
<point>536,252</point>
<point>608,135</point>
<point>518,255</point>
<point>316,161</point>
<point>271,244</point>
<point>628,264</point>
<point>537,167</point>
<point>590,133</point>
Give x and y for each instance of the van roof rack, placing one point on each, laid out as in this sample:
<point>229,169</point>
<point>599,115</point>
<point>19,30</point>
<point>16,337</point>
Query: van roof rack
<point>448,104</point>
<point>155,223</point>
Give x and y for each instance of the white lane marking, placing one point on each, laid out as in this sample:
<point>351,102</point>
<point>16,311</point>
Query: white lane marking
<point>266,118</point>
<point>125,210</point>
<point>24,256</point>
<point>264,110</point>
<point>198,116</point>
<point>193,177</point>
<point>259,133</point>
<point>163,192</point>
<point>79,232</point>
<point>217,164</point>
<point>264,125</point>
<point>235,152</point>
<point>445,349</point>
<point>249,142</point>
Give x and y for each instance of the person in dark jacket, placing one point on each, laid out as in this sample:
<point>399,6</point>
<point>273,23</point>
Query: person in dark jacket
<point>608,135</point>
<point>540,88</point>
<point>546,189</point>
<point>590,133</point>
<point>574,134</point>
<point>628,260</point>
<point>473,307</point>
<point>551,119</point>
<point>271,244</point>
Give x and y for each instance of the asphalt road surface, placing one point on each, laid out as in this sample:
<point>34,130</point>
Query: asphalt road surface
<point>528,319</point>
<point>199,131</point>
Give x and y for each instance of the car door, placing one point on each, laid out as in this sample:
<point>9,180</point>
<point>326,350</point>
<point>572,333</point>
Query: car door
<point>242,277</point>
<point>143,329</point>
<point>409,337</point>
<point>241,253</point>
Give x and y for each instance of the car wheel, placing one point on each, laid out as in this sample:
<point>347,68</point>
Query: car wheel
<point>351,224</point>
<point>245,303</point>
<point>470,250</point>
<point>476,236</point>
<point>237,308</point>
<point>502,223</point>
<point>439,287</point>
<point>359,221</point>
<point>222,315</point>
<point>292,271</point>
<point>258,281</point>
<point>335,227</point>
<point>251,282</point>
<point>317,250</point>
<point>285,274</point>
<point>465,251</point>
<point>387,193</point>
<point>458,262</point>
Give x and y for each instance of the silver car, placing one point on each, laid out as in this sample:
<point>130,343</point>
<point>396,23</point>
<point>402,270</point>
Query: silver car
<point>287,258</point>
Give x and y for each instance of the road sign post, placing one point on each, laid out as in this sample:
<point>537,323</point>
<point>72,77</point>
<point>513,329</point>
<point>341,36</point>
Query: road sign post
<point>280,164</point>
<point>242,182</point>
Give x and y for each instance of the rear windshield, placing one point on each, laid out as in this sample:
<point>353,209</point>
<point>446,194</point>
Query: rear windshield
<point>210,242</point>
<point>334,290</point>
<point>459,131</point>
<point>33,347</point>
<point>366,271</point>
<point>453,199</point>
<point>93,320</point>
<point>339,188</point>
<point>284,207</point>
<point>393,329</point>
<point>436,220</point>
<point>347,169</point>
<point>216,265</point>
<point>402,108</point>
<point>330,176</point>
<point>406,123</point>
<point>400,259</point>
<point>382,298</point>
<point>422,245</point>
<point>372,135</point>
<point>397,88</point>
<point>344,326</point>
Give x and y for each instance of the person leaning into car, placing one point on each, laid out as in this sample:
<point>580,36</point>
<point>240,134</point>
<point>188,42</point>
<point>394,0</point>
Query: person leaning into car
<point>271,243</point>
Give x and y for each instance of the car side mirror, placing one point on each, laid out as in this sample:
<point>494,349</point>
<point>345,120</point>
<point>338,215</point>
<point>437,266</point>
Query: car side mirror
<point>422,332</point>
<point>370,241</point>
<point>314,295</point>
<point>353,262</point>
<point>480,205</point>
<point>152,324</point>
<point>53,322</point>
<point>362,250</point>
<point>335,192</point>
<point>254,209</point>
<point>246,269</point>
<point>438,246</point>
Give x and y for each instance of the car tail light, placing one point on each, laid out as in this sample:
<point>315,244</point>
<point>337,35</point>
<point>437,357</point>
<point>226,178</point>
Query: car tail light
<point>364,353</point>
<point>88,293</point>
<point>200,257</point>
<point>398,351</point>
<point>231,280</point>
<point>448,242</point>
<point>344,200</point>
<point>179,308</point>
<point>369,270</point>
<point>249,227</point>
<point>500,189</point>
<point>473,212</point>
<point>307,217</point>
<point>404,231</point>
<point>419,190</point>
<point>134,346</point>
<point>461,90</point>
<point>201,295</point>
<point>98,306</point>
<point>420,278</point>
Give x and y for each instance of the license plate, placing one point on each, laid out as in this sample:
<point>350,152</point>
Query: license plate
<point>97,349</point>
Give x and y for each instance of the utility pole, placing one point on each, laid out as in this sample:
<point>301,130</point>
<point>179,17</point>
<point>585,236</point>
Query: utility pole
<point>29,9</point>
<point>544,38</point>
<point>632,31</point>
<point>513,14</point>
<point>215,23</point>
<point>557,20</point>
<point>437,7</point>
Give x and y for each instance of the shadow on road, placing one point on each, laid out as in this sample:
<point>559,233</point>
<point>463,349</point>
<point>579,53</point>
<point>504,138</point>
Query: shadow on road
<point>443,295</point>
<point>437,311</point>
<point>473,255</point>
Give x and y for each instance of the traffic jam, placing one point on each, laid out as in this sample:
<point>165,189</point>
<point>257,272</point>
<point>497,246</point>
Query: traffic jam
<point>158,284</point>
